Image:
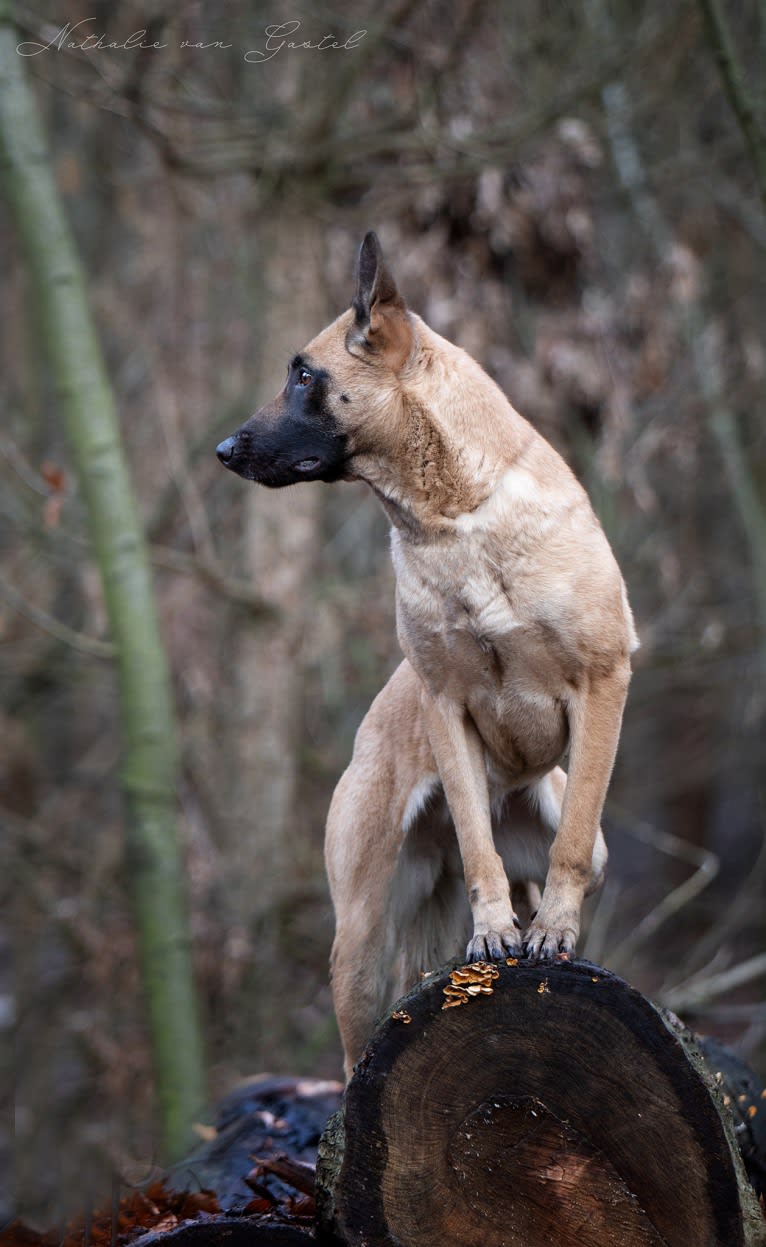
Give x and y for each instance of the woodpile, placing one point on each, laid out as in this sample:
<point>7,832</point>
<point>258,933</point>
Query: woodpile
<point>510,1105</point>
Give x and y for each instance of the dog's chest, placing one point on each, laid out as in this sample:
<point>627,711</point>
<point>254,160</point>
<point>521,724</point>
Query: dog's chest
<point>454,612</point>
<point>473,639</point>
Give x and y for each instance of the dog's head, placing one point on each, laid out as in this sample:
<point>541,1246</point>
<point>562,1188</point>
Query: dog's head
<point>336,390</point>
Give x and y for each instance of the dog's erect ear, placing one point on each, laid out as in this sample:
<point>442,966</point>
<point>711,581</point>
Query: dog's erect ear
<point>374,281</point>
<point>381,322</point>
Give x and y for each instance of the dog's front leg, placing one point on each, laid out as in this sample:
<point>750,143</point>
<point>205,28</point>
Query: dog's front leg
<point>595,715</point>
<point>459,756</point>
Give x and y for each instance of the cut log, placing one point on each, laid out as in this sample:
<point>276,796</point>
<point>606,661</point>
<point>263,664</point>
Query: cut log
<point>520,1105</point>
<point>229,1232</point>
<point>744,1093</point>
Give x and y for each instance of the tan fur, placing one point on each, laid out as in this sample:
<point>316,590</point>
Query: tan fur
<point>516,631</point>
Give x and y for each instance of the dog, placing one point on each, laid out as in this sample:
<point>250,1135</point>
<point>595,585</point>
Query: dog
<point>455,824</point>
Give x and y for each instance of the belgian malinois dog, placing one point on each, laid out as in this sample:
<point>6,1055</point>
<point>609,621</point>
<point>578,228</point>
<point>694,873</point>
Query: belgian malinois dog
<point>513,618</point>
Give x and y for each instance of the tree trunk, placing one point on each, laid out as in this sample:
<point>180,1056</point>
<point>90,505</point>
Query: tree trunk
<point>149,754</point>
<point>270,852</point>
<point>523,1105</point>
<point>281,542</point>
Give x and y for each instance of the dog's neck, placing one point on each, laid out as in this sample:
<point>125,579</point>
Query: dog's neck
<point>451,449</point>
<point>425,482</point>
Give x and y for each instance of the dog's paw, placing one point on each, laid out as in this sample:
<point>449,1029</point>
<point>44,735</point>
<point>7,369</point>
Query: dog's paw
<point>494,945</point>
<point>545,940</point>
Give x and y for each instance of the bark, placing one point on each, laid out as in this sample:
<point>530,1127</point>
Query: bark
<point>149,750</point>
<point>229,1232</point>
<point>559,1106</point>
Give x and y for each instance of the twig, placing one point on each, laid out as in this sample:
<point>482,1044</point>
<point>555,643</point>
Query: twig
<point>698,991</point>
<point>733,1013</point>
<point>203,443</point>
<point>742,210</point>
<point>695,329</point>
<point>747,903</point>
<point>436,154</point>
<point>736,89</point>
<point>24,470</point>
<point>296,1173</point>
<point>234,589</point>
<point>160,556</point>
<point>751,1041</point>
<point>339,86</point>
<point>196,514</point>
<point>707,868</point>
<point>718,962</point>
<point>78,640</point>
<point>606,905</point>
<point>743,486</point>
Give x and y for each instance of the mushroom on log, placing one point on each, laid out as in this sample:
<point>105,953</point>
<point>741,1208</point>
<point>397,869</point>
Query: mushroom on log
<point>522,1104</point>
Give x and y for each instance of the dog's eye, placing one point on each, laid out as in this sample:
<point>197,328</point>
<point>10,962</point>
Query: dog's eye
<point>304,377</point>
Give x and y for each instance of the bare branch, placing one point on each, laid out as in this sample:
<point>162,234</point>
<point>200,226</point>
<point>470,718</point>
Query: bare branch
<point>205,569</point>
<point>23,469</point>
<point>707,868</point>
<point>339,86</point>
<point>78,640</point>
<point>700,990</point>
<point>432,154</point>
<point>698,333</point>
<point>741,910</point>
<point>208,570</point>
<point>734,83</point>
<point>605,908</point>
<point>166,407</point>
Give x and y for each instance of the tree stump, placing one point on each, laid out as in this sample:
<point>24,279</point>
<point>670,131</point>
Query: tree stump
<point>519,1105</point>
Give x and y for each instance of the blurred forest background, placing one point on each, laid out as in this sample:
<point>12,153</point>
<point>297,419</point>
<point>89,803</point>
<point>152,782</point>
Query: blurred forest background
<point>566,191</point>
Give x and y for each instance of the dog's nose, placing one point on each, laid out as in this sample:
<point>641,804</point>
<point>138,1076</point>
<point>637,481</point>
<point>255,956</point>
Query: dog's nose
<point>225,450</point>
